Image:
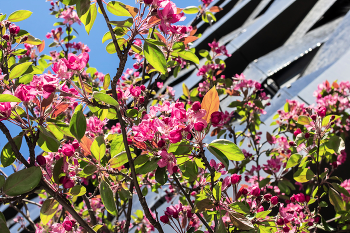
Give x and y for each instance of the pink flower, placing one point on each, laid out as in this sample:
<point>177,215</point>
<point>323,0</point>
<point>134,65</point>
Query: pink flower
<point>25,93</point>
<point>6,108</point>
<point>70,16</point>
<point>66,182</point>
<point>175,136</point>
<point>216,117</point>
<point>169,16</point>
<point>297,132</point>
<point>346,185</point>
<point>274,200</point>
<point>164,219</point>
<point>61,69</point>
<point>159,85</point>
<point>95,125</point>
<point>168,160</point>
<point>255,191</point>
<point>77,62</point>
<point>67,225</point>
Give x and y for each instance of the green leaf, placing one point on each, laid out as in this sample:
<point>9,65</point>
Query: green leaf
<point>98,148</point>
<point>203,205</point>
<point>304,120</point>
<point>191,10</point>
<point>341,189</point>
<point>3,225</point>
<point>179,46</point>
<point>286,107</point>
<point>2,17</point>
<point>240,221</point>
<point>106,81</point>
<point>125,23</point>
<point>69,2</point>
<point>303,175</point>
<point>89,17</point>
<point>7,154</point>
<point>180,148</point>
<point>240,207</point>
<point>22,181</point>
<point>221,227</point>
<point>185,90</point>
<point>147,167</point>
<point>263,214</point>
<point>117,8</point>
<point>25,79</point>
<point>124,194</point>
<point>77,124</point>
<point>132,113</point>
<point>336,200</point>
<point>47,141</point>
<point>327,120</point>
<point>117,145</point>
<point>220,156</point>
<point>161,175</point>
<point>89,169</point>
<point>203,52</point>
<point>33,41</point>
<point>48,210</point>
<point>57,170</point>
<point>227,148</point>
<point>155,57</point>
<point>217,191</point>
<point>19,70</point>
<point>82,6</point>
<point>293,160</point>
<point>120,159</point>
<point>336,143</point>
<point>108,198</point>
<point>19,15</point>
<point>190,170</point>
<point>2,181</point>
<point>9,98</point>
<point>110,48</point>
<point>118,32</point>
<point>264,182</point>
<point>97,227</point>
<point>106,98</point>
<point>77,190</point>
<point>187,55</point>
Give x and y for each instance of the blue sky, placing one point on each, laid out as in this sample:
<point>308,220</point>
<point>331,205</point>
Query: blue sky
<point>41,22</point>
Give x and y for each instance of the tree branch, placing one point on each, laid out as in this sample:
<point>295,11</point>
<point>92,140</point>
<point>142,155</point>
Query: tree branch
<point>191,204</point>
<point>128,215</point>
<point>91,211</point>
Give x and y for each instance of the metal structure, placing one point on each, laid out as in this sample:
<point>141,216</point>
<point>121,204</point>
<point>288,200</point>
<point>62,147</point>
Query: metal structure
<point>290,46</point>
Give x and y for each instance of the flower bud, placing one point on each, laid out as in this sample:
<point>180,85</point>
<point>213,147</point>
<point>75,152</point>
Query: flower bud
<point>216,117</point>
<point>199,126</point>
<point>40,159</point>
<point>297,132</point>
<point>6,37</point>
<point>148,2</point>
<point>189,214</point>
<point>291,143</point>
<point>143,87</point>
<point>286,229</point>
<point>317,219</point>
<point>235,179</point>
<point>267,196</point>
<point>280,221</point>
<point>274,200</point>
<point>164,219</point>
<point>244,191</point>
<point>255,191</point>
<point>196,106</point>
<point>142,99</point>
<point>307,135</point>
<point>314,117</point>
<point>129,141</point>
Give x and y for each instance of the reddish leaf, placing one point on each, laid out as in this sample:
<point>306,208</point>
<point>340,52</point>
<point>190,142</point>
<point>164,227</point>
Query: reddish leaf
<point>49,72</point>
<point>210,103</point>
<point>218,72</point>
<point>194,30</point>
<point>85,144</point>
<point>48,101</point>
<point>59,109</point>
<point>335,85</point>
<point>179,10</point>
<point>215,132</point>
<point>153,20</point>
<point>161,37</point>
<point>269,137</point>
<point>188,39</point>
<point>132,10</point>
<point>215,9</point>
<point>41,46</point>
<point>327,84</point>
<point>233,92</point>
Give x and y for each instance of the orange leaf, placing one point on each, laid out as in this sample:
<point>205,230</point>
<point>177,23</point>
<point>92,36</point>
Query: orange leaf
<point>215,132</point>
<point>41,46</point>
<point>86,145</point>
<point>59,109</point>
<point>178,10</point>
<point>153,20</point>
<point>233,92</point>
<point>210,103</point>
<point>327,84</point>
<point>132,10</point>
<point>335,85</point>
<point>215,9</point>
<point>49,72</point>
<point>188,39</point>
<point>161,37</point>
<point>194,30</point>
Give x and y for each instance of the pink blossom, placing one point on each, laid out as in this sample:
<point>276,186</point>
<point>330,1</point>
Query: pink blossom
<point>167,160</point>
<point>77,62</point>
<point>95,125</point>
<point>346,185</point>
<point>169,16</point>
<point>61,69</point>
<point>25,93</point>
<point>70,16</point>
<point>159,84</point>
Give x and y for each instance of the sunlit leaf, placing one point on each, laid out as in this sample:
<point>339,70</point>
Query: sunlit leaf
<point>210,103</point>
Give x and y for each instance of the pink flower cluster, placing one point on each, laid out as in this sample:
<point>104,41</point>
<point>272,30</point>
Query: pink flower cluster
<point>70,16</point>
<point>219,49</point>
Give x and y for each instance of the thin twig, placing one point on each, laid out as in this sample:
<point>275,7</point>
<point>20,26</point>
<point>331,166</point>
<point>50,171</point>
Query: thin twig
<point>91,211</point>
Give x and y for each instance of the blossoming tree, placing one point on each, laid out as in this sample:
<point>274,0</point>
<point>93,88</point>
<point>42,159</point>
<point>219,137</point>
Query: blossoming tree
<point>156,141</point>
